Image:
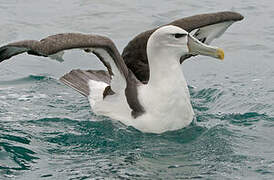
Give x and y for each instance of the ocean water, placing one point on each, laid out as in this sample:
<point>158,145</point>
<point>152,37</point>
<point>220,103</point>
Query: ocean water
<point>47,130</point>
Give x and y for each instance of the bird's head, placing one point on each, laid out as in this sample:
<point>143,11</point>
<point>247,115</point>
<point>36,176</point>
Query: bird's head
<point>174,41</point>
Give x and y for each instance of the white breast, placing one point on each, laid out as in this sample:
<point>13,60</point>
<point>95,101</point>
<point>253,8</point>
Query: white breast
<point>167,106</point>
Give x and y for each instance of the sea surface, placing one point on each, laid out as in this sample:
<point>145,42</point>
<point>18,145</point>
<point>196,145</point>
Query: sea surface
<point>48,131</point>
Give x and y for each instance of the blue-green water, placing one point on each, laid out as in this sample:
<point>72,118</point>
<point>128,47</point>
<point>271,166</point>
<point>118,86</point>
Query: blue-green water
<point>47,130</point>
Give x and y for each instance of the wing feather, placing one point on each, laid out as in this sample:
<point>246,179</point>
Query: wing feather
<point>122,80</point>
<point>135,55</point>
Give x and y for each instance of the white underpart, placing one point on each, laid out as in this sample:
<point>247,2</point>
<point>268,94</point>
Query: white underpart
<point>118,82</point>
<point>114,106</point>
<point>96,89</point>
<point>168,106</point>
<point>213,31</point>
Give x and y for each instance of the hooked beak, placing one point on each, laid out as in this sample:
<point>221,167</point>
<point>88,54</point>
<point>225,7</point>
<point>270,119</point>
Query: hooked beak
<point>198,48</point>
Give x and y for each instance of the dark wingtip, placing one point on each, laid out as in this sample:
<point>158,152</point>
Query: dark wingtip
<point>238,16</point>
<point>241,17</point>
<point>6,52</point>
<point>233,15</point>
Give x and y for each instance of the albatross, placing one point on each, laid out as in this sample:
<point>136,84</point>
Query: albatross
<point>145,86</point>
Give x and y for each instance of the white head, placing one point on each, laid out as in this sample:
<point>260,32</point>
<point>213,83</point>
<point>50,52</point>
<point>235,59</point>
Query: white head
<point>174,42</point>
<point>168,40</point>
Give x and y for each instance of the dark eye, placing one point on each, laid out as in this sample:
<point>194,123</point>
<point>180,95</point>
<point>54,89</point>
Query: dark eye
<point>178,35</point>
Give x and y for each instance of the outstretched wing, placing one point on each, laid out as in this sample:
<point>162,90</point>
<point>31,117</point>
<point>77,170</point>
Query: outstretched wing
<point>122,79</point>
<point>207,27</point>
<point>53,46</point>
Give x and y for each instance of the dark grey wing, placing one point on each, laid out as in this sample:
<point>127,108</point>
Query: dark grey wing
<point>7,52</point>
<point>122,79</point>
<point>208,26</point>
<point>53,46</point>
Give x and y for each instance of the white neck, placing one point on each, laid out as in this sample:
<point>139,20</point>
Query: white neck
<point>164,68</point>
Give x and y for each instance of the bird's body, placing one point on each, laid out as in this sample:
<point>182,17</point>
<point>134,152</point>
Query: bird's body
<point>165,98</point>
<point>167,106</point>
<point>145,86</point>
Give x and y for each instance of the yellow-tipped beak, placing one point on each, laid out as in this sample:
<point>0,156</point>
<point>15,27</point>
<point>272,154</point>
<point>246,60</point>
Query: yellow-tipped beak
<point>220,53</point>
<point>198,48</point>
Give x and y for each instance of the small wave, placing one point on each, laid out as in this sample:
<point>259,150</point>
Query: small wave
<point>239,119</point>
<point>103,135</point>
<point>14,155</point>
<point>185,135</point>
<point>23,140</point>
<point>202,99</point>
<point>57,120</point>
<point>24,80</point>
<point>245,119</point>
<point>207,95</point>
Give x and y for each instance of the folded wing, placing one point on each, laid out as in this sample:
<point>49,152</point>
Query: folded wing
<point>79,80</point>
